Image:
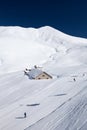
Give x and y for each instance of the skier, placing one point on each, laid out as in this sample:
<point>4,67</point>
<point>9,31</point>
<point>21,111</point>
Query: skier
<point>25,115</point>
<point>74,79</point>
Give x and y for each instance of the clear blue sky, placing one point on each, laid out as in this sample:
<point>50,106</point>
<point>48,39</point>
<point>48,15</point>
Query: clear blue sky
<point>68,16</point>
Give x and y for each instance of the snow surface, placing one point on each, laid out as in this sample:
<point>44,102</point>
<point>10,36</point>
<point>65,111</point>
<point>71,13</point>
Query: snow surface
<point>55,104</point>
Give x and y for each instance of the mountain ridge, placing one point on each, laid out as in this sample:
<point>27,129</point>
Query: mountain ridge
<point>45,43</point>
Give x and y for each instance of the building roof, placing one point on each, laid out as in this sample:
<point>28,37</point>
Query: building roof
<point>33,73</point>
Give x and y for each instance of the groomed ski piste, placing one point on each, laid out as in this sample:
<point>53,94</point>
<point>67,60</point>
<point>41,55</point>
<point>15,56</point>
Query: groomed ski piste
<point>59,103</point>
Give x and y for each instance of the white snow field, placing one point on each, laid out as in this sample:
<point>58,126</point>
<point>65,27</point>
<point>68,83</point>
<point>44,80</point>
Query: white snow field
<point>55,104</point>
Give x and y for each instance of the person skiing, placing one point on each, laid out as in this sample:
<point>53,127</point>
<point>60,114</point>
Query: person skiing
<point>74,79</point>
<point>25,114</point>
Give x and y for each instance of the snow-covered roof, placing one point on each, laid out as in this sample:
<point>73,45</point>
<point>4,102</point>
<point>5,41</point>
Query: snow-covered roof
<point>33,73</point>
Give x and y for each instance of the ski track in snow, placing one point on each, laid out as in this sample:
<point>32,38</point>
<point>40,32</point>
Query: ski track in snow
<point>48,121</point>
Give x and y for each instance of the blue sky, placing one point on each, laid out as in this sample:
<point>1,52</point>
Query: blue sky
<point>68,16</point>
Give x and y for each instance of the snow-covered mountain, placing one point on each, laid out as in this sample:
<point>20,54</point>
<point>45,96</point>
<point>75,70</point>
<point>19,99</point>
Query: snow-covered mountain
<point>57,104</point>
<point>21,47</point>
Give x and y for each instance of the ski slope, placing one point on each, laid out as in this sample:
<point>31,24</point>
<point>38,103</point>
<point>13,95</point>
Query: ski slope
<point>56,104</point>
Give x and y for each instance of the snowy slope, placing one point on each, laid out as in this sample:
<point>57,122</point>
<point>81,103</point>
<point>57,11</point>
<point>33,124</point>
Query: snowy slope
<point>57,104</point>
<point>18,51</point>
<point>20,47</point>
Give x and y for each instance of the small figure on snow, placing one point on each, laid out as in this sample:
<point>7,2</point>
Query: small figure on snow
<point>74,79</point>
<point>25,114</point>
